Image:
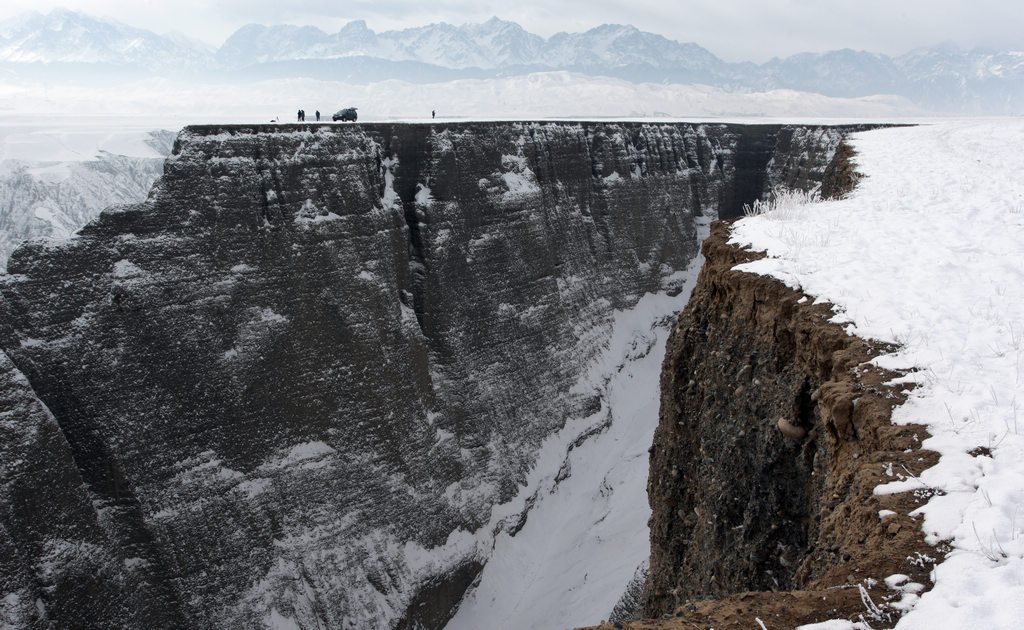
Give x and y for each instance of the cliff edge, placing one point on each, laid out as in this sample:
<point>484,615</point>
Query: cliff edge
<point>774,432</point>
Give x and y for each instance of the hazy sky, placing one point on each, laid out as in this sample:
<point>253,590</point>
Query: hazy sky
<point>735,30</point>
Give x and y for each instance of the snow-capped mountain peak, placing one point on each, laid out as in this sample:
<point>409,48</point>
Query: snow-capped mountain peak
<point>67,36</point>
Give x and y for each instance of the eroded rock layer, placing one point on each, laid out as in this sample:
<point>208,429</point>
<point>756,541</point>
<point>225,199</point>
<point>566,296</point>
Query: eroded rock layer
<point>774,432</point>
<point>290,386</point>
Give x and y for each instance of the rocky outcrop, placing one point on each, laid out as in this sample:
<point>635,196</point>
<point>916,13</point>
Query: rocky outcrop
<point>289,388</point>
<point>774,432</point>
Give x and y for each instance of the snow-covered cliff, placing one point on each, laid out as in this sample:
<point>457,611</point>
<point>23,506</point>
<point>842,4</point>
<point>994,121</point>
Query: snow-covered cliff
<point>291,388</point>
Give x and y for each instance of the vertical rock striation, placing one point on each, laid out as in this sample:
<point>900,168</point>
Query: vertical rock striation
<point>290,387</point>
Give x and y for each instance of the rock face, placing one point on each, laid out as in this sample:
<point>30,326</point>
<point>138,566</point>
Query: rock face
<point>58,560</point>
<point>774,431</point>
<point>289,387</point>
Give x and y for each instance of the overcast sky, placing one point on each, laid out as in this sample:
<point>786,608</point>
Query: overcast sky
<point>735,30</point>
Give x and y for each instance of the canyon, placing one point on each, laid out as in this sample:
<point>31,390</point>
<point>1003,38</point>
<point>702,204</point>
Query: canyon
<point>291,388</point>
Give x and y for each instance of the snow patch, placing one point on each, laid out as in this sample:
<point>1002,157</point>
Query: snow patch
<point>390,198</point>
<point>274,620</point>
<point>309,213</point>
<point>126,269</point>
<point>307,454</point>
<point>269,316</point>
<point>519,180</point>
<point>835,624</point>
<point>254,487</point>
<point>423,197</point>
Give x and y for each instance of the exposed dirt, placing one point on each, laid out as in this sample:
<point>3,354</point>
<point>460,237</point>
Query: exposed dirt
<point>745,502</point>
<point>841,174</point>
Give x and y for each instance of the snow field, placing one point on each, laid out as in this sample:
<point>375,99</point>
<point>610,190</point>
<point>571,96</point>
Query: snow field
<point>928,253</point>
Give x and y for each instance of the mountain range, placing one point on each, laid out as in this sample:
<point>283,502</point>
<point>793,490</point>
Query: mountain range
<point>941,78</point>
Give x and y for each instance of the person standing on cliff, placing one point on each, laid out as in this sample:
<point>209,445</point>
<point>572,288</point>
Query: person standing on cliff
<point>433,114</point>
<point>318,115</point>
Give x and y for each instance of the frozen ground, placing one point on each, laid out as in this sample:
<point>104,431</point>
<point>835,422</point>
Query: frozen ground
<point>929,253</point>
<point>50,138</point>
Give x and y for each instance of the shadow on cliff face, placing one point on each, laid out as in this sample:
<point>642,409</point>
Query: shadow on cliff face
<point>774,433</point>
<point>437,601</point>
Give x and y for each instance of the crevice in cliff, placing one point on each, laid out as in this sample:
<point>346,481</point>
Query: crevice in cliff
<point>405,161</point>
<point>754,150</point>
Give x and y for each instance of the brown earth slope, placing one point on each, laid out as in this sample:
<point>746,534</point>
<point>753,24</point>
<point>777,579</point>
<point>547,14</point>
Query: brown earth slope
<point>774,433</point>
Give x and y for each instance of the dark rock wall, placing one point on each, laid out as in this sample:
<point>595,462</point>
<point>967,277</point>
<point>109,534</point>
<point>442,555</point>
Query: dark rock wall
<point>735,500</point>
<point>58,562</point>
<point>774,431</point>
<point>317,351</point>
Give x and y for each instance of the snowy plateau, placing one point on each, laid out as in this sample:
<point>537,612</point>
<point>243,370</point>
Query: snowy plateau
<point>928,254</point>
